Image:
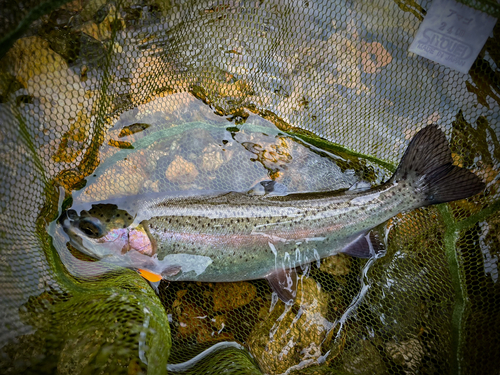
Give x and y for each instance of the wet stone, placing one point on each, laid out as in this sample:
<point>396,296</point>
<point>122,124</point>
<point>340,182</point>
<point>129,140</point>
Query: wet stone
<point>337,265</point>
<point>194,322</point>
<point>230,296</point>
<point>212,158</point>
<point>366,360</point>
<point>292,335</point>
<point>408,354</point>
<point>195,141</point>
<point>181,171</point>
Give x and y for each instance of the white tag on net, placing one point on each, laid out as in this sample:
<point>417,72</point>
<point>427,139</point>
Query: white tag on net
<point>452,34</point>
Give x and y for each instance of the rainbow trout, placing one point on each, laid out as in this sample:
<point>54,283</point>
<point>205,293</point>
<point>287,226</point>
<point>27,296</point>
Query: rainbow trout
<point>231,236</point>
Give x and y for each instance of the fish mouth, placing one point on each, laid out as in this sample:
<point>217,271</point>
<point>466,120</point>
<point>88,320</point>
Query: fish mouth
<point>104,242</point>
<point>66,218</point>
<point>69,223</point>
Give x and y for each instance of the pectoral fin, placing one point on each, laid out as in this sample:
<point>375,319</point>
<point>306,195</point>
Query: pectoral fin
<point>284,283</point>
<point>365,245</point>
<point>171,270</point>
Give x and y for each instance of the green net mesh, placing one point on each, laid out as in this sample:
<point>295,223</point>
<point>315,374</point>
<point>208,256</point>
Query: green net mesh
<point>106,99</point>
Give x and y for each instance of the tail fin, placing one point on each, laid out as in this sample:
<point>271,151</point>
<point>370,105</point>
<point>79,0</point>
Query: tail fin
<point>427,162</point>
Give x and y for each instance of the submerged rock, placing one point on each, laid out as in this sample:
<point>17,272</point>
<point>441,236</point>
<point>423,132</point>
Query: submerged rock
<point>230,296</point>
<point>408,354</point>
<point>181,171</point>
<point>212,158</point>
<point>365,359</point>
<point>291,336</point>
<point>337,265</point>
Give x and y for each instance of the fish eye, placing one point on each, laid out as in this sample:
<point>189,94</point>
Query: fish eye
<point>91,229</point>
<point>72,215</point>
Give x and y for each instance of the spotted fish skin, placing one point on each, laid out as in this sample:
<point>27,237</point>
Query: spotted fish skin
<point>236,236</point>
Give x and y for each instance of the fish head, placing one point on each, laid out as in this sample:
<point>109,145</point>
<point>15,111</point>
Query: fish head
<point>106,230</point>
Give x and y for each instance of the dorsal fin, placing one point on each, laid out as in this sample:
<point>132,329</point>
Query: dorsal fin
<point>268,187</point>
<point>358,187</point>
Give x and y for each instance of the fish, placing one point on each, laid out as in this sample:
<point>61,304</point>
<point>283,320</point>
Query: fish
<point>265,233</point>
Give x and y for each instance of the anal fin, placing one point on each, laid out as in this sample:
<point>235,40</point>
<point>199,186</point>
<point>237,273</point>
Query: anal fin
<point>284,283</point>
<point>171,270</point>
<point>365,245</point>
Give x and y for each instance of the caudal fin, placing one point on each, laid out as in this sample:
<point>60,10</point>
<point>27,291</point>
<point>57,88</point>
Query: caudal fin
<point>428,166</point>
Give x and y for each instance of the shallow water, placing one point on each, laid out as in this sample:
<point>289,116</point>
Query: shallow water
<point>176,146</point>
<point>188,147</point>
